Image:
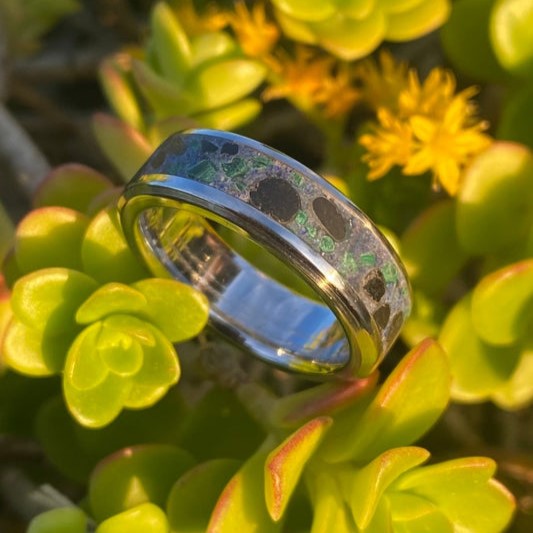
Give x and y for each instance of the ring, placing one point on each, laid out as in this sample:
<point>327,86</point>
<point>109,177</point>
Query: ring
<point>200,183</point>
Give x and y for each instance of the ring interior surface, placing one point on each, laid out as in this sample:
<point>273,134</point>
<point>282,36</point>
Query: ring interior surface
<point>293,213</point>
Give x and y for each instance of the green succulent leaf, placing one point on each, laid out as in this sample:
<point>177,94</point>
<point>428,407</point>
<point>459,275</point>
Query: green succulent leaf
<point>230,116</point>
<point>207,46</point>
<point>284,464</point>
<point>139,519</point>
<point>302,10</point>
<point>366,486</point>
<point>119,362</point>
<point>466,40</point>
<point>328,398</point>
<point>478,368</point>
<point>351,39</point>
<point>495,203</point>
<point>50,237</point>
<point>510,32</point>
<point>430,250</point>
<point>73,186</point>
<point>166,98</point>
<point>122,144</point>
<point>222,81</point>
<point>330,513</point>
<point>518,392</point>
<point>47,299</point>
<point>241,505</point>
<point>510,290</point>
<point>27,351</point>
<point>408,403</point>
<point>60,520</point>
<point>170,43</point>
<point>75,450</point>
<point>413,514</point>
<point>421,18</point>
<point>514,124</point>
<point>135,475</point>
<point>113,74</point>
<point>110,299</point>
<point>195,493</point>
<point>177,309</point>
<point>463,490</point>
<point>105,253</point>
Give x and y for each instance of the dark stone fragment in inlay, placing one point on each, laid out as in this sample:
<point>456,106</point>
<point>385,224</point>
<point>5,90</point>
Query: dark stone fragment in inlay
<point>209,147</point>
<point>331,219</point>
<point>396,325</point>
<point>382,315</point>
<point>229,149</point>
<point>276,197</point>
<point>374,284</point>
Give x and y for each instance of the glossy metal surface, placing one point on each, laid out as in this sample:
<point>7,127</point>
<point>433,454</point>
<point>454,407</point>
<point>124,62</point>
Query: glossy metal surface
<point>204,174</point>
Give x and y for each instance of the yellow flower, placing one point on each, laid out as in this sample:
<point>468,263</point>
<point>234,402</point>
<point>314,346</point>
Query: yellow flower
<point>314,81</point>
<point>255,33</point>
<point>210,19</point>
<point>391,144</point>
<point>428,128</point>
<point>382,81</point>
<point>446,146</point>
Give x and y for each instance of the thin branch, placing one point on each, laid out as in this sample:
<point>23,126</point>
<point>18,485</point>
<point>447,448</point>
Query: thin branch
<point>19,157</point>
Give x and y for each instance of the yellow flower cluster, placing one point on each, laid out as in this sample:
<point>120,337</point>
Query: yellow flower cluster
<point>420,126</point>
<point>314,80</point>
<point>256,34</point>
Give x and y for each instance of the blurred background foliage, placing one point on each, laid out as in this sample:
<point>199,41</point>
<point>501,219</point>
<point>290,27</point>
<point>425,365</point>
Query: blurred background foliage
<point>419,111</point>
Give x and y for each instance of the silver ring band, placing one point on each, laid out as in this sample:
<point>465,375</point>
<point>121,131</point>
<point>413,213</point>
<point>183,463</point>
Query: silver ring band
<point>294,214</point>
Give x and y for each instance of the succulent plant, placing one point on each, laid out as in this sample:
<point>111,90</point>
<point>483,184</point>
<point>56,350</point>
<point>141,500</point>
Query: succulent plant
<point>177,81</point>
<point>82,305</point>
<point>351,30</point>
<point>344,448</point>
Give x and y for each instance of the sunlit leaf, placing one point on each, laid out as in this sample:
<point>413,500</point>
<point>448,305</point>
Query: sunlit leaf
<point>50,237</point>
<point>510,31</point>
<point>47,299</point>
<point>367,485</point>
<point>466,40</point>
<point>170,43</point>
<point>71,185</point>
<point>495,203</point>
<point>139,519</point>
<point>135,475</point>
<point>60,520</point>
<point>241,505</point>
<point>284,464</point>
<point>195,494</point>
<point>463,490</point>
<point>408,403</point>
<point>109,299</point>
<point>478,369</point>
<point>123,145</point>
<point>220,82</point>
<point>106,255</point>
<point>177,309</point>
<point>502,304</point>
<point>422,18</point>
<point>430,250</point>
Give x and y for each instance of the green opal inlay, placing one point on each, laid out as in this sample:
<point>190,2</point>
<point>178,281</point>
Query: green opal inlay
<point>327,244</point>
<point>203,171</point>
<point>367,259</point>
<point>236,167</point>
<point>301,218</point>
<point>389,273</point>
<point>349,263</point>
